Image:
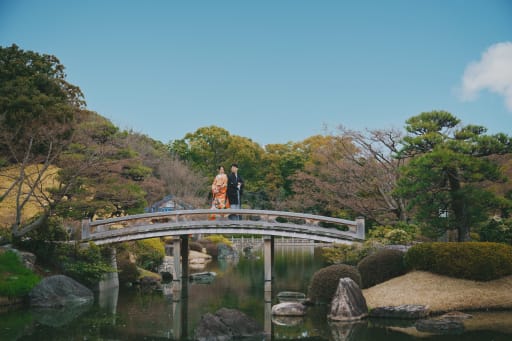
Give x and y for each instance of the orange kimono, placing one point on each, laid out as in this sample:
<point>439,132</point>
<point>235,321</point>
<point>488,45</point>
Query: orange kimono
<point>219,190</point>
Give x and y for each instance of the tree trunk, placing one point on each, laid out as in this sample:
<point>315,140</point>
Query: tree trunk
<point>459,207</point>
<point>18,231</point>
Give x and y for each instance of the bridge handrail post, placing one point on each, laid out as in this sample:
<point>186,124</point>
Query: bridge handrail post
<point>360,227</point>
<point>86,228</point>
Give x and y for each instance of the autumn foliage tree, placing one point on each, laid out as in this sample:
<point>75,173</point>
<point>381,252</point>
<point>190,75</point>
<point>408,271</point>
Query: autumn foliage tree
<point>351,173</point>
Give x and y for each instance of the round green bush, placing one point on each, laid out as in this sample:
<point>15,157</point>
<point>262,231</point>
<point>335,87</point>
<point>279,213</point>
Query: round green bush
<point>324,282</point>
<point>481,261</point>
<point>381,266</point>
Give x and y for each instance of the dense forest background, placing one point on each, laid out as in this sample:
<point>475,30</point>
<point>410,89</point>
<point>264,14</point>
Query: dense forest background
<point>60,162</point>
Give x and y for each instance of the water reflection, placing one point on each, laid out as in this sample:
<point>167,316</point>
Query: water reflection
<point>58,317</point>
<point>133,314</point>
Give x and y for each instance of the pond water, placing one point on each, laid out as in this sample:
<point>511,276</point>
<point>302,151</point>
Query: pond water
<point>132,314</point>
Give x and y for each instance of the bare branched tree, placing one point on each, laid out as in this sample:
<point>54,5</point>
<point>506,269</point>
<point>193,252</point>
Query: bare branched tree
<point>356,171</point>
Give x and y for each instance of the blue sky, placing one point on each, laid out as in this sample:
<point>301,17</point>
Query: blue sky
<point>276,71</point>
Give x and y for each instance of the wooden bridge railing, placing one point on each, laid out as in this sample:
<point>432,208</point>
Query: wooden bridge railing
<point>277,223</point>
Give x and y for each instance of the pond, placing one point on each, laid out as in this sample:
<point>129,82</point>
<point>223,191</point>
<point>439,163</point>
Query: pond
<point>132,314</point>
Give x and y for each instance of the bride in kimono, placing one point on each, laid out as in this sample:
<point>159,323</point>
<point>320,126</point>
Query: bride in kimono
<point>219,190</point>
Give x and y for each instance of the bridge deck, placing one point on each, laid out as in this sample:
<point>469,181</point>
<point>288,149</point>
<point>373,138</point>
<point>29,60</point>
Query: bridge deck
<point>205,221</point>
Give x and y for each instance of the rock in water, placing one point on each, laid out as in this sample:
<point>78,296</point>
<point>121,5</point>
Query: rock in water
<point>289,309</point>
<point>226,324</point>
<point>348,303</point>
<point>240,324</point>
<point>59,291</point>
<point>211,328</point>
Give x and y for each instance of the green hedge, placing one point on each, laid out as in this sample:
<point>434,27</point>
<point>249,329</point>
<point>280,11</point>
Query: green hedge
<point>381,266</point>
<point>324,282</point>
<point>481,261</point>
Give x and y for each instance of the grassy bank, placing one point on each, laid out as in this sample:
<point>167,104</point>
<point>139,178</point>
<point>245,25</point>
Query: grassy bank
<point>15,279</point>
<point>441,293</point>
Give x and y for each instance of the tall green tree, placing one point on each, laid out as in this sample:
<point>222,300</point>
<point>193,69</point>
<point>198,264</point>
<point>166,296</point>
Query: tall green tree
<point>37,110</point>
<point>447,167</point>
<point>281,162</point>
<point>209,147</point>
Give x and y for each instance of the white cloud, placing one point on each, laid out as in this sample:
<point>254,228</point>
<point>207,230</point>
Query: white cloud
<point>493,72</point>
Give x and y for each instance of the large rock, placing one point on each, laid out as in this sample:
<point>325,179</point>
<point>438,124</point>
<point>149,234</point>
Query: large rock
<point>405,311</point>
<point>59,291</point>
<point>226,324</point>
<point>289,309</point>
<point>348,303</point>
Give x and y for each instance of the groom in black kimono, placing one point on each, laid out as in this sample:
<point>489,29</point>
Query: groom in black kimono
<point>235,188</point>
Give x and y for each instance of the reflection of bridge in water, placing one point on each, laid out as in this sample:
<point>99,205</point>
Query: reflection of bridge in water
<point>108,300</point>
<point>268,225</point>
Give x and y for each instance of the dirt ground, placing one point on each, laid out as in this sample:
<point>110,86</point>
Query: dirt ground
<point>441,293</point>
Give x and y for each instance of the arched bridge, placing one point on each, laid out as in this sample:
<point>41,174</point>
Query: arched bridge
<point>180,224</point>
<point>228,221</point>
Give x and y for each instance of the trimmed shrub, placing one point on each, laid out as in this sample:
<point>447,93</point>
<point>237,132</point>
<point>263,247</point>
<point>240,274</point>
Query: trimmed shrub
<point>401,234</point>
<point>85,265</point>
<point>381,266</point>
<point>481,261</point>
<point>342,253</point>
<point>350,254</point>
<point>325,281</point>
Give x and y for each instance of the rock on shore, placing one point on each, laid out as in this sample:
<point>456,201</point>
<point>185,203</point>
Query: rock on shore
<point>59,291</point>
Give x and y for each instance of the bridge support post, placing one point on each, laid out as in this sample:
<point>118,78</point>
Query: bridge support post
<point>111,279</point>
<point>268,315</point>
<point>184,264</point>
<point>86,228</point>
<point>176,253</point>
<point>360,227</point>
<point>180,255</point>
<point>268,253</point>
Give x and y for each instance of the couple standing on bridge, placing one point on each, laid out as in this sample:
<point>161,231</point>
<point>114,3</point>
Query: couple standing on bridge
<point>227,190</point>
